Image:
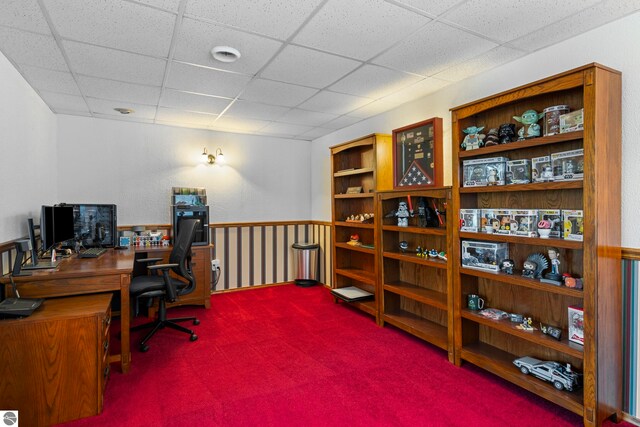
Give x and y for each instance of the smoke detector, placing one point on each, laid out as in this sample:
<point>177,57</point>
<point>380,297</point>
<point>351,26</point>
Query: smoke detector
<point>225,54</point>
<point>124,110</point>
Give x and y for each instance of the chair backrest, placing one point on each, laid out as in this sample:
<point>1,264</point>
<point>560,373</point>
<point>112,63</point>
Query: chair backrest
<point>181,252</point>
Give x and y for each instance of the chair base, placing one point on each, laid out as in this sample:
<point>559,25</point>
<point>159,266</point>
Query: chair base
<point>161,323</point>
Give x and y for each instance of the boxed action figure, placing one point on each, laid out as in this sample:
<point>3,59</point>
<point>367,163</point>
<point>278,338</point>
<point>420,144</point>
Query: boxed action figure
<point>573,221</point>
<point>527,221</point>
<point>518,171</point>
<point>484,255</point>
<point>507,224</point>
<point>541,170</point>
<point>484,172</point>
<point>470,220</point>
<point>554,217</point>
<point>488,217</point>
<point>568,165</point>
<point>576,324</point>
<point>572,121</point>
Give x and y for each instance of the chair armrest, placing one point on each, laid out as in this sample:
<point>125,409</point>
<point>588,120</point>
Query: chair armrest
<point>148,260</point>
<point>161,266</point>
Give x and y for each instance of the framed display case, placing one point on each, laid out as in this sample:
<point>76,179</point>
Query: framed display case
<point>417,155</point>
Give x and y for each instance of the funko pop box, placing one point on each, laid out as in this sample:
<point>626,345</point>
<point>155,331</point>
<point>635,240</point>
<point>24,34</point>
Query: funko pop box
<point>484,255</point>
<point>484,172</point>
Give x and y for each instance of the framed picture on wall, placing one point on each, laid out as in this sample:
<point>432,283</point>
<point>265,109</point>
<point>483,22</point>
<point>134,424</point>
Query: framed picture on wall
<point>417,155</point>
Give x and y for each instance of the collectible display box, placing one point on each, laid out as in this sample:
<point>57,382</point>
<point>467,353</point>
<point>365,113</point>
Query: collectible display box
<point>573,224</point>
<point>576,324</point>
<point>541,170</point>
<point>484,172</point>
<point>483,255</point>
<point>572,121</point>
<point>527,222</point>
<point>554,217</point>
<point>506,223</point>
<point>470,220</point>
<point>568,165</point>
<point>518,171</point>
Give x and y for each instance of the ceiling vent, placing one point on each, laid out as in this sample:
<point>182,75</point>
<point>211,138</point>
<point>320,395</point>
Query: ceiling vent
<point>225,54</point>
<point>124,110</point>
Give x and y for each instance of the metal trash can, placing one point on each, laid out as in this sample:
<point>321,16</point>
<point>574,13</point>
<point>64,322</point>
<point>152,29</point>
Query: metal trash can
<point>306,262</point>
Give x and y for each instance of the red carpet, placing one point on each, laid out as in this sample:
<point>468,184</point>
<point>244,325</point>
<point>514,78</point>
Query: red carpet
<point>289,356</point>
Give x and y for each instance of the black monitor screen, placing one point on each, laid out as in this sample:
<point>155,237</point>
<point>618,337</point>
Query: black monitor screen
<point>56,225</point>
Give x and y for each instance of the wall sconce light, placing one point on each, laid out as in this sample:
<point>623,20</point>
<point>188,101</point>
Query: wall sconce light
<point>212,159</point>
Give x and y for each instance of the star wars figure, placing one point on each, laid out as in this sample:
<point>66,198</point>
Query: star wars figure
<point>530,128</point>
<point>403,214</point>
<point>506,266</point>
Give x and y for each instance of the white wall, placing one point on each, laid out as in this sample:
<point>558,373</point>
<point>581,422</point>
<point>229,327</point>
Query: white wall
<point>134,165</point>
<point>27,153</point>
<point>611,45</point>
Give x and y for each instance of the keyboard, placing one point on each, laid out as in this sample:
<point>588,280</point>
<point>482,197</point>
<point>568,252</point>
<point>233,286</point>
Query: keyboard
<point>92,253</point>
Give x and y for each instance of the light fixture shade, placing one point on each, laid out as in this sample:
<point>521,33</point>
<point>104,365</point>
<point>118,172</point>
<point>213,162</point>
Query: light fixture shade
<point>220,158</point>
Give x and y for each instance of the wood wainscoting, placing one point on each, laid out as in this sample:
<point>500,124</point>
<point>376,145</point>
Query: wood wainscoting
<point>253,254</point>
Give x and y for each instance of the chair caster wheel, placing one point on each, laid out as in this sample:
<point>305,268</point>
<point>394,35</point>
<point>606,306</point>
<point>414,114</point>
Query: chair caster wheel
<point>193,337</point>
<point>196,322</point>
<point>144,348</point>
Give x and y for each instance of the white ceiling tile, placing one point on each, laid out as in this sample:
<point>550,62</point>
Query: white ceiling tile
<point>24,14</point>
<point>358,28</point>
<point>334,103</point>
<point>26,48</point>
<point>197,38</point>
<point>315,133</point>
<point>575,24</point>
<point>206,81</point>
<point>372,81</point>
<point>418,90</point>
<point>182,124</point>
<point>372,109</point>
<point>431,7</point>
<point>307,118</point>
<point>276,93</point>
<point>341,122</point>
<point>114,23</point>
<point>495,57</point>
<point>106,107</point>
<point>276,18</point>
<point>51,81</point>
<point>193,102</point>
<point>235,124</point>
<point>59,102</point>
<point>119,91</point>
<point>113,64</point>
<point>308,67</point>
<point>171,5</point>
<point>123,117</point>
<point>506,19</point>
<point>171,115</point>
<point>285,129</point>
<point>434,49</point>
<point>252,110</point>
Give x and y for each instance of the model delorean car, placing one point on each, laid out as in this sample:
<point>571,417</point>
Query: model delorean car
<point>561,376</point>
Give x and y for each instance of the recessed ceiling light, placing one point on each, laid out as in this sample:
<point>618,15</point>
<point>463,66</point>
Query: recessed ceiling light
<point>225,54</point>
<point>124,110</point>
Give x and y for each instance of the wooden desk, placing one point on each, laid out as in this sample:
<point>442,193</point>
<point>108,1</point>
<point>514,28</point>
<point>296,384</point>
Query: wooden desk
<point>54,364</point>
<point>81,276</point>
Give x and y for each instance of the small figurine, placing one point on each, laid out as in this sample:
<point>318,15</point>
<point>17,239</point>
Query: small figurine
<point>506,133</point>
<point>474,138</point>
<point>403,214</point>
<point>506,266</point>
<point>403,246</point>
<point>530,128</point>
<point>492,138</point>
<point>534,266</point>
<point>419,251</point>
<point>422,213</point>
<point>354,240</point>
<point>547,173</point>
<point>442,255</point>
<point>555,262</point>
<point>433,253</point>
<point>526,324</point>
<point>493,178</point>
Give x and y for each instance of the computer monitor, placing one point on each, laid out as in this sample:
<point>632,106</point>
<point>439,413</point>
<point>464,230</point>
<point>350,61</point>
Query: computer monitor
<point>56,225</point>
<point>95,225</point>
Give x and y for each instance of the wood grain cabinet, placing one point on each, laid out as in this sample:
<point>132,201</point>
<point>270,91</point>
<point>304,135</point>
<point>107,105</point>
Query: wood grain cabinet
<point>359,168</point>
<point>53,364</point>
<point>494,344</point>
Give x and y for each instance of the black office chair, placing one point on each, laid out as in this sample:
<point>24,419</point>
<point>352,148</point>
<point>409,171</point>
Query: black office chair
<point>166,288</point>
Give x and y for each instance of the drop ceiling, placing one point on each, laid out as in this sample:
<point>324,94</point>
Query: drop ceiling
<point>307,67</point>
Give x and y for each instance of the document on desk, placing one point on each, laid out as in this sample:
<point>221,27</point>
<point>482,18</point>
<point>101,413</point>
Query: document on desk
<point>351,293</point>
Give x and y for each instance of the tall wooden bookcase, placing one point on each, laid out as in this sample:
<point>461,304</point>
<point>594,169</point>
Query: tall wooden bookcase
<point>366,163</point>
<point>416,291</point>
<point>493,345</point>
